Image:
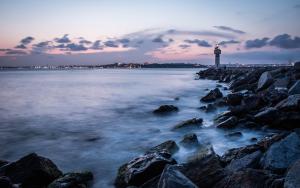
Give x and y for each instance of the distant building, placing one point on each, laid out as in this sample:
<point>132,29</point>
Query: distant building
<point>217,53</point>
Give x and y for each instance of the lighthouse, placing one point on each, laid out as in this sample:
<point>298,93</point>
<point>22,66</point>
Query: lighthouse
<point>217,53</point>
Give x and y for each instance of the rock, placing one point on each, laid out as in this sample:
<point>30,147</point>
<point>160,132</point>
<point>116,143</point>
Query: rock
<point>210,108</point>
<point>267,116</point>
<point>176,98</point>
<point>292,179</point>
<point>282,154</point>
<point>212,95</point>
<point>202,107</point>
<point>190,140</point>
<point>141,169</point>
<point>234,99</point>
<point>292,103</point>
<point>281,83</point>
<point>5,182</point>
<point>234,134</point>
<point>266,142</point>
<point>248,161</point>
<point>168,146</point>
<point>225,88</point>
<point>297,66</point>
<point>272,96</point>
<point>72,180</point>
<point>189,123</point>
<point>249,178</point>
<point>253,139</point>
<point>295,89</point>
<point>264,81</point>
<point>237,153</point>
<point>31,171</point>
<point>152,183</point>
<point>165,109</point>
<point>2,163</point>
<point>228,123</point>
<point>172,178</point>
<point>219,85</point>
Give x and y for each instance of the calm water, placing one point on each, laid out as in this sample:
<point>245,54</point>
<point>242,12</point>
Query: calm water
<point>98,119</point>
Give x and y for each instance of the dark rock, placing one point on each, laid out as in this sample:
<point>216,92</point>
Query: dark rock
<point>297,66</point>
<point>234,99</point>
<point>152,183</point>
<point>234,134</point>
<point>228,123</point>
<point>225,88</point>
<point>190,140</point>
<point>253,139</point>
<point>168,146</point>
<point>176,98</point>
<point>267,116</point>
<point>31,171</point>
<point>292,179</point>
<point>266,142</point>
<point>2,163</point>
<point>248,161</point>
<point>281,83</point>
<point>264,81</point>
<point>237,153</point>
<point>173,178</point>
<point>212,95</point>
<point>210,108</point>
<point>72,180</point>
<point>189,123</point>
<point>218,85</point>
<point>143,168</point>
<point>272,96</point>
<point>249,124</point>
<point>5,182</point>
<point>202,107</point>
<point>291,103</point>
<point>165,109</point>
<point>282,154</point>
<point>295,89</point>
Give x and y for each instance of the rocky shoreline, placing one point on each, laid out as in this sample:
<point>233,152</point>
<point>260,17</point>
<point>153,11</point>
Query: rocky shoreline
<point>260,98</point>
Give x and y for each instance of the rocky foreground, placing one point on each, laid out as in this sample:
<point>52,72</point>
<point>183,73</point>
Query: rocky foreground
<point>261,98</point>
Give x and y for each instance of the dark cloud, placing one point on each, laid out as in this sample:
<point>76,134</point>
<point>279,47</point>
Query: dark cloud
<point>75,47</point>
<point>26,40</point>
<point>200,33</point>
<point>158,39</point>
<point>225,43</point>
<point>4,49</point>
<point>15,52</point>
<point>171,40</point>
<point>201,43</point>
<point>226,28</point>
<point>64,39</point>
<point>184,46</point>
<point>42,44</point>
<point>256,43</point>
<point>21,46</point>
<point>111,43</point>
<point>285,41</point>
<point>124,41</point>
<point>83,41</point>
<point>97,45</point>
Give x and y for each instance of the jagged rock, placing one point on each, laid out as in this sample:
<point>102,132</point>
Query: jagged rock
<point>291,103</point>
<point>31,171</point>
<point>5,182</point>
<point>267,116</point>
<point>282,154</point>
<point>152,183</point>
<point>2,162</point>
<point>248,161</point>
<point>189,123</point>
<point>295,89</point>
<point>210,108</point>
<point>266,142</point>
<point>234,99</point>
<point>228,123</point>
<point>281,83</point>
<point>72,180</point>
<point>253,139</point>
<point>264,81</point>
<point>190,140</point>
<point>297,66</point>
<point>173,178</point>
<point>212,95</point>
<point>234,134</point>
<point>292,179</point>
<point>165,109</point>
<point>169,146</point>
<point>143,168</point>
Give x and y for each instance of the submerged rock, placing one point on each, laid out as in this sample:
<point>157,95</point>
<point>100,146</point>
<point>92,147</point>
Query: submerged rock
<point>165,109</point>
<point>212,95</point>
<point>72,180</point>
<point>31,171</point>
<point>228,123</point>
<point>190,140</point>
<point>169,146</point>
<point>292,179</point>
<point>189,123</point>
<point>234,134</point>
<point>264,81</point>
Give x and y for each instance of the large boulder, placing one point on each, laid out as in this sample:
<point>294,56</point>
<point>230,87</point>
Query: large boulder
<point>142,169</point>
<point>31,171</point>
<point>165,109</point>
<point>264,81</point>
<point>248,161</point>
<point>238,153</point>
<point>292,179</point>
<point>173,178</point>
<point>168,146</point>
<point>189,140</point>
<point>228,123</point>
<point>5,182</point>
<point>281,83</point>
<point>282,154</point>
<point>212,95</point>
<point>295,89</point>
<point>297,66</point>
<point>267,116</point>
<point>72,180</point>
<point>194,122</point>
<point>234,99</point>
<point>292,103</point>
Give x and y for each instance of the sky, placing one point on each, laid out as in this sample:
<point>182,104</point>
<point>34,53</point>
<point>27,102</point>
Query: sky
<point>89,32</point>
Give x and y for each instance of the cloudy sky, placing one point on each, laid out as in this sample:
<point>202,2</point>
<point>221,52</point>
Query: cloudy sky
<point>60,32</point>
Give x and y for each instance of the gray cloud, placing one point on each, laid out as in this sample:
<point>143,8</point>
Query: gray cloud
<point>64,39</point>
<point>21,46</point>
<point>76,47</point>
<point>83,41</point>
<point>158,39</point>
<point>184,46</point>
<point>201,43</point>
<point>15,52</point>
<point>97,45</point>
<point>26,40</point>
<point>42,44</point>
<point>226,28</point>
<point>225,43</point>
<point>124,41</point>
<point>111,43</point>
<point>256,43</point>
<point>285,41</point>
<point>297,6</point>
<point>200,33</point>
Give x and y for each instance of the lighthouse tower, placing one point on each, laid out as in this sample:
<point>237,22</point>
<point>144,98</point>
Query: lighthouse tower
<point>217,53</point>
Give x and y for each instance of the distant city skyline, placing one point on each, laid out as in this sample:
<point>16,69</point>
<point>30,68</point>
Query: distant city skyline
<point>62,32</point>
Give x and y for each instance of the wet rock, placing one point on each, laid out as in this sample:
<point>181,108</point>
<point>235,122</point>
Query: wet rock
<point>210,108</point>
<point>264,81</point>
<point>248,161</point>
<point>189,123</point>
<point>297,66</point>
<point>142,169</point>
<point>165,109</point>
<point>228,123</point>
<point>152,183</point>
<point>234,134</point>
<point>292,179</point>
<point>218,85</point>
<point>267,116</point>
<point>190,140</point>
<point>202,108</point>
<point>281,83</point>
<point>212,95</point>
<point>3,162</point>
<point>5,182</point>
<point>292,103</point>
<point>237,153</point>
<point>253,139</point>
<point>272,96</point>
<point>168,146</point>
<point>234,99</point>
<point>31,171</point>
<point>173,178</point>
<point>295,89</point>
<point>176,98</point>
<point>266,142</point>
<point>282,154</point>
<point>72,180</point>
